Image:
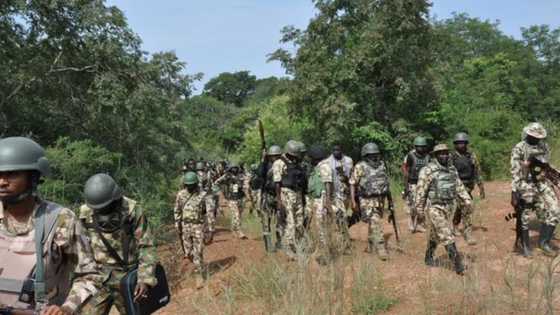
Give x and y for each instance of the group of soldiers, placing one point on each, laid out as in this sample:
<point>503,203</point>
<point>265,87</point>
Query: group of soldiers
<point>58,262</point>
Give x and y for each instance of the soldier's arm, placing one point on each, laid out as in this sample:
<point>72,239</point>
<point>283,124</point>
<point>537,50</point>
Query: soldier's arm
<point>87,279</point>
<point>424,181</point>
<point>477,169</point>
<point>517,160</point>
<point>462,192</point>
<point>178,209</point>
<point>147,256</point>
<point>354,180</point>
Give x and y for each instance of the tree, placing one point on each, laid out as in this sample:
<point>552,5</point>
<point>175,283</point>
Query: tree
<point>231,88</point>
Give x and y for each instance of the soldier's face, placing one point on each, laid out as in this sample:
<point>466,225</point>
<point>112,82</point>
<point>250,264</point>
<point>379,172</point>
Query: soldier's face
<point>532,140</point>
<point>461,146</point>
<point>443,157</point>
<point>421,149</point>
<point>13,183</point>
<point>337,152</point>
<point>373,157</point>
<point>191,187</point>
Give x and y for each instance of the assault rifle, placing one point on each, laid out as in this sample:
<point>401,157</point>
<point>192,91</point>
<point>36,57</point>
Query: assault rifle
<point>550,172</point>
<point>392,217</point>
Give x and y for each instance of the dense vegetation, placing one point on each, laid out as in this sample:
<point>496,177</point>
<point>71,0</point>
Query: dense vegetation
<point>74,77</point>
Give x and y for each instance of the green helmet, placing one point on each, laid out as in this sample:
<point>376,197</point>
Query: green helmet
<point>535,130</point>
<point>23,154</point>
<point>461,137</point>
<point>200,166</point>
<point>440,147</point>
<point>420,142</point>
<point>100,190</point>
<point>370,148</point>
<point>292,148</point>
<point>233,164</point>
<point>275,150</point>
<point>302,147</point>
<point>318,152</point>
<point>190,178</point>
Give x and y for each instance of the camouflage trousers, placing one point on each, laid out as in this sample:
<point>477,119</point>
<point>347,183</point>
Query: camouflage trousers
<point>293,216</point>
<point>331,222</point>
<point>193,242</point>
<point>372,214</point>
<point>439,223</point>
<point>465,213</point>
<point>545,205</point>
<point>410,199</point>
<point>211,206</point>
<point>108,296</point>
<point>266,210</point>
<point>236,210</point>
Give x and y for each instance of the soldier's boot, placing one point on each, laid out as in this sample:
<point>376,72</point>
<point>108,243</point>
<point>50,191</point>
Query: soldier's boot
<point>278,241</point>
<point>411,227</point>
<point>468,237</point>
<point>455,258</point>
<point>525,247</point>
<point>382,252</point>
<point>241,235</point>
<point>430,250</point>
<point>209,237</point>
<point>544,239</point>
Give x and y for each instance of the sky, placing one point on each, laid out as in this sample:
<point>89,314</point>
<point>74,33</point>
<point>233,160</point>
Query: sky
<point>215,36</point>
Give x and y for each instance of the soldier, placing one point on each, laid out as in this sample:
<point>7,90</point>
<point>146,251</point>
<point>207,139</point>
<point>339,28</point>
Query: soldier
<point>437,191</point>
<point>319,186</point>
<point>121,239</point>
<point>414,161</point>
<point>231,184</point>
<point>531,190</point>
<point>369,182</point>
<point>189,166</point>
<point>289,179</point>
<point>68,275</point>
<point>205,185</point>
<point>266,205</point>
<point>190,215</point>
<point>340,170</point>
<point>307,167</point>
<point>468,167</point>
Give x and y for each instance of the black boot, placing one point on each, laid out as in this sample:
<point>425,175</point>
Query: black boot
<point>544,239</point>
<point>268,247</point>
<point>455,258</point>
<point>430,250</point>
<point>525,248</point>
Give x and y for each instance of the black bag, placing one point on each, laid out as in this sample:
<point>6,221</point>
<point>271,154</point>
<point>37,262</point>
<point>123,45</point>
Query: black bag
<point>158,296</point>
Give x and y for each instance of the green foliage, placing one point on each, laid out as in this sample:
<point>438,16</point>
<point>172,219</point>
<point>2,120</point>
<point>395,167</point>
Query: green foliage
<point>280,126</point>
<point>72,163</point>
<point>231,88</point>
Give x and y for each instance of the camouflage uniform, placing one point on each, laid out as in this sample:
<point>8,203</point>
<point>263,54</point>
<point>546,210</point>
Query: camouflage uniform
<point>232,187</point>
<point>190,210</point>
<point>141,253</point>
<point>266,201</point>
<point>468,167</point>
<point>438,189</point>
<point>72,258</point>
<point>373,185</point>
<point>414,163</point>
<point>205,185</point>
<point>536,191</point>
<point>292,200</point>
<point>325,219</point>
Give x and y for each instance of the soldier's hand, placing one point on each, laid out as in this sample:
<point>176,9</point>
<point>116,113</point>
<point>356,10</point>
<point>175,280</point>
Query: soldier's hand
<point>55,310</point>
<point>140,292</point>
<point>481,191</point>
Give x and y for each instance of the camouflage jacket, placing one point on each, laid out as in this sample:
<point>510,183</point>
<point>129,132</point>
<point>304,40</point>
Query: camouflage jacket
<point>204,180</point>
<point>70,263</point>
<point>456,157</point>
<point>521,153</point>
<point>142,250</point>
<point>189,208</point>
<point>429,189</point>
<point>370,180</point>
<point>341,170</point>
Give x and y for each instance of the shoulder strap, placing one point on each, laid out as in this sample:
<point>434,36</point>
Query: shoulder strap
<point>45,220</point>
<point>110,249</point>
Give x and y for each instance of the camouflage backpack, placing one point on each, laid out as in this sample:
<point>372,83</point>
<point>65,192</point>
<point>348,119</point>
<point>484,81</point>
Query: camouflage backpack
<point>375,181</point>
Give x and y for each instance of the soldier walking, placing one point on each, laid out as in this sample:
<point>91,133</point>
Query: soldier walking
<point>369,187</point>
<point>205,184</point>
<point>531,189</point>
<point>468,168</point>
<point>414,161</point>
<point>438,189</point>
<point>190,214</point>
<point>121,239</point>
<point>231,184</point>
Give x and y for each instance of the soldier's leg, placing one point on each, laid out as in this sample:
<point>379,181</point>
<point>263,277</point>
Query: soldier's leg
<point>320,219</point>
<point>299,218</point>
<point>290,205</point>
<point>439,221</point>
<point>416,224</point>
<point>236,212</point>
<point>265,219</point>
<point>198,253</point>
<point>187,241</point>
<point>548,202</point>
<point>210,217</point>
<point>377,229</point>
<point>342,224</point>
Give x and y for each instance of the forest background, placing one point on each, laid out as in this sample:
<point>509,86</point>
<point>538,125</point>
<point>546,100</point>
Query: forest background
<point>75,79</point>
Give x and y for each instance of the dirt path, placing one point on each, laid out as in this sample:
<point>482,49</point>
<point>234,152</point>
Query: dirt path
<point>497,282</point>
